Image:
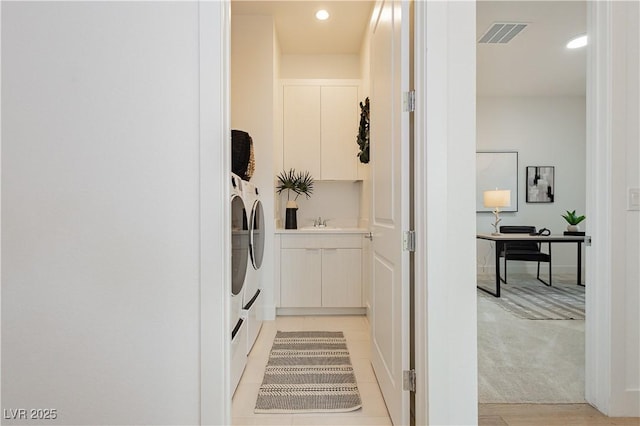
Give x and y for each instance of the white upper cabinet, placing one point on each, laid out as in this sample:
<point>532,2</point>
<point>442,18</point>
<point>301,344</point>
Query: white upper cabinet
<point>320,126</point>
<point>338,132</point>
<point>302,128</point>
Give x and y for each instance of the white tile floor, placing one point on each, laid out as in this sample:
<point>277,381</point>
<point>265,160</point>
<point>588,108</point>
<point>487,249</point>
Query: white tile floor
<point>355,328</point>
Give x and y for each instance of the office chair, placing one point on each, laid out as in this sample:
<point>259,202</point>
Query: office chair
<point>528,251</point>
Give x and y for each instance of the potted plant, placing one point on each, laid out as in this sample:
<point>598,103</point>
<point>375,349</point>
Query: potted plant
<point>573,220</point>
<point>298,183</point>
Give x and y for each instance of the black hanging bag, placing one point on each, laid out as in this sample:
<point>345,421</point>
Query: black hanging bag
<point>241,146</point>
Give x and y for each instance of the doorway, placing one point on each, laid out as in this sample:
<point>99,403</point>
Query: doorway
<point>530,352</point>
<point>265,61</point>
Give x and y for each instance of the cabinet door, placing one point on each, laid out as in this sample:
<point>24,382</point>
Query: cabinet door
<point>341,278</point>
<point>339,131</point>
<point>300,278</point>
<point>301,127</point>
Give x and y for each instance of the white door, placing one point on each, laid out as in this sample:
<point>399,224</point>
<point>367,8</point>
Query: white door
<point>390,210</point>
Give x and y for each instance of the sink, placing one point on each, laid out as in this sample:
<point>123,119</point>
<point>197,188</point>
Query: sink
<point>319,228</point>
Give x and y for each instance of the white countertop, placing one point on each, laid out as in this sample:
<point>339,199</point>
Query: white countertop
<point>322,231</point>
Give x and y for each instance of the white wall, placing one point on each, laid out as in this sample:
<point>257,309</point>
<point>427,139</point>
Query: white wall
<point>446,354</point>
<point>364,171</point>
<point>320,66</point>
<point>253,67</point>
<point>546,131</point>
<point>336,201</point>
<point>100,213</point>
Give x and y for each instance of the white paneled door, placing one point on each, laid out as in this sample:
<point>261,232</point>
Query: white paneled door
<point>390,210</point>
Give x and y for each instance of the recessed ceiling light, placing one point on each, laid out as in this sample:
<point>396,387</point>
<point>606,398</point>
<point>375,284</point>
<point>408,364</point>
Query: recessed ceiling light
<point>580,41</point>
<point>322,15</point>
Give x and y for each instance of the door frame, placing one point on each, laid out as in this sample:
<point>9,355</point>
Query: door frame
<point>214,34</point>
<point>431,353</point>
<point>605,345</point>
<point>597,307</point>
<point>432,162</point>
<point>444,158</point>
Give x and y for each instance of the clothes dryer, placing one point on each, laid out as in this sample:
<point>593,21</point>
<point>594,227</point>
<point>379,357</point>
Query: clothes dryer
<point>252,303</point>
<point>239,263</point>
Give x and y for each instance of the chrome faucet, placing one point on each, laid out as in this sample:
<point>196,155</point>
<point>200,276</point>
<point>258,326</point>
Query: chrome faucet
<point>319,222</point>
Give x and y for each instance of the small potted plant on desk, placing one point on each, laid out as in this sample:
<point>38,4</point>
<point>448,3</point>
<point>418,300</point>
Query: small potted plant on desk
<point>573,220</point>
<point>298,183</point>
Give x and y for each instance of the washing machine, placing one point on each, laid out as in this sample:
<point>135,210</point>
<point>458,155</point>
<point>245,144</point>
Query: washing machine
<point>252,304</point>
<point>239,263</point>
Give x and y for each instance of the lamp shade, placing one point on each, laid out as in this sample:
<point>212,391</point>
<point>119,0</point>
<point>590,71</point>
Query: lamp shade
<point>497,198</point>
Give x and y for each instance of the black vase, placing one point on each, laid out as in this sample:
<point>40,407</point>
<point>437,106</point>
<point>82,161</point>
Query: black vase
<point>290,219</point>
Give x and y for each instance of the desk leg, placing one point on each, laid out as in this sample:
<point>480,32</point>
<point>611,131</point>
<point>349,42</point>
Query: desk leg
<point>497,293</point>
<point>498,269</point>
<point>580,263</point>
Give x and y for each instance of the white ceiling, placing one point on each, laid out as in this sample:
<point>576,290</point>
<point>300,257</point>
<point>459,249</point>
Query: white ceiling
<point>535,62</point>
<point>299,32</point>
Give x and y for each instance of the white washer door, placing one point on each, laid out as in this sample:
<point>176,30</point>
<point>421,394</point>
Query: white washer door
<point>257,235</point>
<point>239,244</point>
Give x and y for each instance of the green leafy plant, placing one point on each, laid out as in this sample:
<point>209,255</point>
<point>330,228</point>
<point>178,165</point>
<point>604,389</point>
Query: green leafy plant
<point>572,218</point>
<point>296,182</point>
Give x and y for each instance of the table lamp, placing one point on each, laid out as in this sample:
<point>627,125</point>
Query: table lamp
<point>497,198</point>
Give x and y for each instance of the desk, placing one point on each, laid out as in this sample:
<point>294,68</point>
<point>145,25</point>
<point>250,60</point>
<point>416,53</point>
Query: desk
<point>503,238</point>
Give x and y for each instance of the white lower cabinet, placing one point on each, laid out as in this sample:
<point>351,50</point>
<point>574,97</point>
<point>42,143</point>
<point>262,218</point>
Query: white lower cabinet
<point>341,278</point>
<point>301,278</point>
<point>323,271</point>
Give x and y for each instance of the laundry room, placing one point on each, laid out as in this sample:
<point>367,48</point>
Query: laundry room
<point>299,110</point>
<point>260,69</point>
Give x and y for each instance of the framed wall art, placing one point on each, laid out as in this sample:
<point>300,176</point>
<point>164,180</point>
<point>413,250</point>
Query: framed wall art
<point>540,184</point>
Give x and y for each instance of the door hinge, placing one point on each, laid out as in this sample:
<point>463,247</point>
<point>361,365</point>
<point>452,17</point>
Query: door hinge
<point>587,241</point>
<point>409,241</point>
<point>409,380</point>
<point>409,101</point>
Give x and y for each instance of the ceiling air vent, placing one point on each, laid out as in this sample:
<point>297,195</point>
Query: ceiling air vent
<point>502,32</point>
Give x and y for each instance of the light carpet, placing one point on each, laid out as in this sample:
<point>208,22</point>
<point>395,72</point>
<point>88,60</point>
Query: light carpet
<point>525,361</point>
<point>308,371</point>
<point>528,298</point>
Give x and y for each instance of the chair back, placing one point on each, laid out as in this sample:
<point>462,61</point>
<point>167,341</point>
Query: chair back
<point>523,245</point>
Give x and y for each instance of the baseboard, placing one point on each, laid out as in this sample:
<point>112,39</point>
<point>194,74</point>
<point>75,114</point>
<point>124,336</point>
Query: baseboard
<point>626,405</point>
<point>320,311</point>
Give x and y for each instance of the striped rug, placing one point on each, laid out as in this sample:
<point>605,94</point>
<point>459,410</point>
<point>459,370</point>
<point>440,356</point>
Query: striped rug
<point>308,371</point>
<point>530,299</point>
